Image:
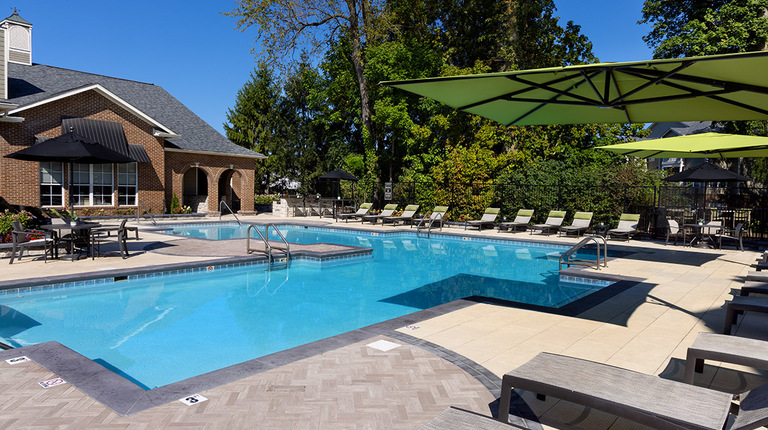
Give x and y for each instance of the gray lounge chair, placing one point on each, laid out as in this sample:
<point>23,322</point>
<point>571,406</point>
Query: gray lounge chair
<point>522,219</point>
<point>458,419</point>
<point>729,349</point>
<point>553,222</point>
<point>361,212</point>
<point>627,227</point>
<point>646,399</point>
<point>488,219</point>
<point>753,287</point>
<point>386,212</point>
<point>407,215</point>
<point>740,304</point>
<point>580,224</point>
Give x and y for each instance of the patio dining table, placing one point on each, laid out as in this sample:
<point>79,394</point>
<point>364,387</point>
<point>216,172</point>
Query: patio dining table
<point>81,230</point>
<point>700,239</point>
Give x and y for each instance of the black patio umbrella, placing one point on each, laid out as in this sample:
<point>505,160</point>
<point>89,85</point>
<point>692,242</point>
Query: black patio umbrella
<point>339,175</point>
<point>706,172</point>
<point>70,148</point>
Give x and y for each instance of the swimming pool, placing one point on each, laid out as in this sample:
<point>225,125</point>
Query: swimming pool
<point>160,329</point>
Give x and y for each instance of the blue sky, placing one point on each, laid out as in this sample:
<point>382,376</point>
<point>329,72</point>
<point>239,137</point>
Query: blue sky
<point>196,54</point>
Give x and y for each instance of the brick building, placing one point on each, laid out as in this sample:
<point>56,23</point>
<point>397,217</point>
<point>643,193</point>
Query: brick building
<point>176,152</point>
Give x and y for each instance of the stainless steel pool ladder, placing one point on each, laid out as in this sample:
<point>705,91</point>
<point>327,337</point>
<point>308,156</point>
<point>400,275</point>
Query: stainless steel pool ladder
<point>268,249</point>
<point>569,260</point>
<point>230,211</point>
<point>428,226</point>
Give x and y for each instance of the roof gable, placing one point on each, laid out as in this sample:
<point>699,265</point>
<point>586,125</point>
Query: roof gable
<point>39,84</point>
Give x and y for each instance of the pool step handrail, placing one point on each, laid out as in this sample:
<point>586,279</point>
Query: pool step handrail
<point>230,211</point>
<point>569,260</point>
<point>138,213</point>
<point>430,223</point>
<point>285,242</point>
<point>267,246</point>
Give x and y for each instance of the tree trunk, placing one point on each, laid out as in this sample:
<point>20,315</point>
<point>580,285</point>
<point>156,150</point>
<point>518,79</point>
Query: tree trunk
<point>369,140</point>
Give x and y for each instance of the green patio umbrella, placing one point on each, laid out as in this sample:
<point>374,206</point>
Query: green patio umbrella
<point>702,145</point>
<point>718,87</point>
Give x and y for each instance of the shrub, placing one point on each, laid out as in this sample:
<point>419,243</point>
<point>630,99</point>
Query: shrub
<point>7,217</point>
<point>265,199</point>
<point>175,206</point>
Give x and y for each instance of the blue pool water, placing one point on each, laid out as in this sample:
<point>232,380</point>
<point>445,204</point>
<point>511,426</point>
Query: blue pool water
<point>161,329</point>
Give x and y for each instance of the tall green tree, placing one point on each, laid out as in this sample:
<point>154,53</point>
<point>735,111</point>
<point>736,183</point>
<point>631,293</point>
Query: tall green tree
<point>299,108</point>
<point>253,123</point>
<point>685,28</point>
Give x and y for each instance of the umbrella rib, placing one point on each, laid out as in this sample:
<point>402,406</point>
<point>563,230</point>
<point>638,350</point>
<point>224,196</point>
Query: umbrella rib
<point>588,79</point>
<point>547,87</point>
<point>658,78</point>
<point>731,86</point>
<point>511,96</point>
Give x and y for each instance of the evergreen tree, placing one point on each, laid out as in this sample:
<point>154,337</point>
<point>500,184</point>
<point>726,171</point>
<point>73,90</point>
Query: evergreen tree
<point>253,123</point>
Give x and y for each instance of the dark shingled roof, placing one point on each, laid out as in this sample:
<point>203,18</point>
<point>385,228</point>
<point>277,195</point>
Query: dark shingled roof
<point>35,83</point>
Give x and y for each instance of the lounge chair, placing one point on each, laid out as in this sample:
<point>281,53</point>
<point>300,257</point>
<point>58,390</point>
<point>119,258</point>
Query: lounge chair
<point>453,418</point>
<point>24,239</point>
<point>627,227</point>
<point>407,215</point>
<point>753,287</point>
<point>522,219</point>
<point>436,217</point>
<point>386,212</point>
<point>757,276</point>
<point>729,349</point>
<point>553,222</point>
<point>488,219</point>
<point>361,212</point>
<point>734,235</point>
<point>655,402</point>
<point>580,224</point>
<point>740,304</point>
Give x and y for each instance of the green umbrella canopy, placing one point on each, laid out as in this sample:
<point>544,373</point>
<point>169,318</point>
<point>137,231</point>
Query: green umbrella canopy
<point>703,145</point>
<point>719,87</point>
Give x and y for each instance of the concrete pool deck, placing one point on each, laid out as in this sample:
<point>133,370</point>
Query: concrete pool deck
<point>646,328</point>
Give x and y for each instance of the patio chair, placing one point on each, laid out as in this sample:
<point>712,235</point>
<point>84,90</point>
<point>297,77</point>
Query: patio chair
<point>674,230</point>
<point>488,219</point>
<point>627,227</point>
<point>580,224</point>
<point>407,215</point>
<point>522,219</point>
<point>436,217</point>
<point>386,212</point>
<point>753,287</point>
<point>646,399</point>
<point>728,349</point>
<point>103,235</point>
<point>24,239</point>
<point>734,235</point>
<point>362,211</point>
<point>553,222</point>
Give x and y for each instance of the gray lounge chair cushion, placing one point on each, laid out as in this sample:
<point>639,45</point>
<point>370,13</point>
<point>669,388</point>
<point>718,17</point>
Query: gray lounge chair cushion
<point>729,349</point>
<point>646,399</point>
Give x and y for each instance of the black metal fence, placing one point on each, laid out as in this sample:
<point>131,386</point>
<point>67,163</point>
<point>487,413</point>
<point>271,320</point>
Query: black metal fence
<point>732,204</point>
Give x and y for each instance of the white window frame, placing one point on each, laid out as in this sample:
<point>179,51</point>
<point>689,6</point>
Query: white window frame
<point>45,198</point>
<point>77,199</point>
<point>121,173</point>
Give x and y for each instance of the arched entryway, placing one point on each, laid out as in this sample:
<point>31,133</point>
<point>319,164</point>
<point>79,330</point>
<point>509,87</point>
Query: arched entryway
<point>229,188</point>
<point>195,190</point>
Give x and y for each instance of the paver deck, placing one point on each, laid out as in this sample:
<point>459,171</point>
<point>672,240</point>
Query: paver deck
<point>646,328</point>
